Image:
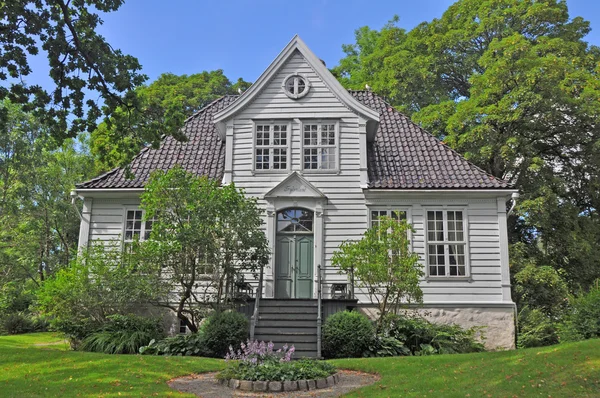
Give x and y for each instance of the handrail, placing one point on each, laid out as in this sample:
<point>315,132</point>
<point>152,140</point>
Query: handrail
<point>254,317</point>
<point>319,298</point>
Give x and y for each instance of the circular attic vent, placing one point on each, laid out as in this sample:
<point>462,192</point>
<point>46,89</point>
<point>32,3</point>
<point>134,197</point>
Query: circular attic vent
<point>296,86</point>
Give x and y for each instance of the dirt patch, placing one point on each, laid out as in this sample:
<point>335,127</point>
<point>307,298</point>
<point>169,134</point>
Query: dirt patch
<point>206,386</point>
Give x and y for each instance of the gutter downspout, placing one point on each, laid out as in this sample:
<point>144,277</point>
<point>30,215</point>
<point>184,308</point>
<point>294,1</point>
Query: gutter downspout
<point>514,197</point>
<point>74,197</point>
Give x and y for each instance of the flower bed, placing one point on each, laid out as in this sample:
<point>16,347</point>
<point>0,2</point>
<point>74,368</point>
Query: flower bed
<point>257,366</point>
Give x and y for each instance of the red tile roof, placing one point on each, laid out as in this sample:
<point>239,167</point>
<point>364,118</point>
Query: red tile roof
<point>402,156</point>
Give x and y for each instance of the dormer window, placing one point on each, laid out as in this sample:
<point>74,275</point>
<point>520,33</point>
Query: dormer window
<point>296,86</point>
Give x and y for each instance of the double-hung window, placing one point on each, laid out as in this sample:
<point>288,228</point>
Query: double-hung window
<point>271,146</point>
<point>320,146</point>
<point>135,227</point>
<point>446,243</point>
<point>394,214</point>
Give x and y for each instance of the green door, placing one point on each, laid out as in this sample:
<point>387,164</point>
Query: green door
<point>294,266</point>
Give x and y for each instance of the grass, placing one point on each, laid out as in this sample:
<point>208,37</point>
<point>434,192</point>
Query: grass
<point>41,365</point>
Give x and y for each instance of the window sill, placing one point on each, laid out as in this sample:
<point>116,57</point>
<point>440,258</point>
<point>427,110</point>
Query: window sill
<point>277,171</point>
<point>321,171</point>
<point>448,278</point>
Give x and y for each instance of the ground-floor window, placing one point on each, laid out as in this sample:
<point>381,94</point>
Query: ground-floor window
<point>446,243</point>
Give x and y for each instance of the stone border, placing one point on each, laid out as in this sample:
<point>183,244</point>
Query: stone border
<point>279,386</point>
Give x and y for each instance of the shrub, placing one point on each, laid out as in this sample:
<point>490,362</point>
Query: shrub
<point>347,334</point>
<point>256,361</point>
<point>303,369</point>
<point>422,337</point>
<point>535,329</point>
<point>385,346</point>
<point>222,330</point>
<point>16,323</point>
<point>123,335</point>
<point>180,345</point>
<point>582,320</point>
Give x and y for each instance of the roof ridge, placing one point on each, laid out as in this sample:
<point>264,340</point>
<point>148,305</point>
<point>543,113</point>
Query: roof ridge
<point>205,107</point>
<point>455,152</point>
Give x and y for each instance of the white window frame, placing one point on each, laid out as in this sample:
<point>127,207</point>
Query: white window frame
<point>288,147</point>
<point>142,229</point>
<point>389,209</point>
<point>447,243</point>
<point>320,122</point>
<point>296,76</point>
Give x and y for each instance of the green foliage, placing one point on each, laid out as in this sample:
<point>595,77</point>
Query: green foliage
<point>223,330</point>
<point>513,86</point>
<point>582,320</point>
<point>82,64</point>
<point>163,106</point>
<point>347,334</point>
<point>540,288</point>
<point>16,323</point>
<point>181,345</point>
<point>203,235</point>
<point>40,225</point>
<point>422,337</point>
<point>122,334</point>
<point>386,346</point>
<point>99,283</point>
<point>535,328</point>
<point>302,369</point>
<point>382,263</point>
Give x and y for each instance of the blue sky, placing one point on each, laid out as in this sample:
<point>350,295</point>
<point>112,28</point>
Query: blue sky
<point>242,37</point>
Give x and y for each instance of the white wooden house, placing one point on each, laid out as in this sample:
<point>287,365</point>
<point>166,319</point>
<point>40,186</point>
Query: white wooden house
<point>324,163</point>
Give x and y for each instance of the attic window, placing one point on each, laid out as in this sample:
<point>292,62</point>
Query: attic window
<point>296,86</point>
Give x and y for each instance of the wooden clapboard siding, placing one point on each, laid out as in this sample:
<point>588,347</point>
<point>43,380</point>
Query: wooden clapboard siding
<point>106,221</point>
<point>345,215</point>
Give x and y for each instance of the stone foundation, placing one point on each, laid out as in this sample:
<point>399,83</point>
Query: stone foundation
<point>498,323</point>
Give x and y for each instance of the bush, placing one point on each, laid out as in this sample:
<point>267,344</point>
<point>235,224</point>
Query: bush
<point>16,323</point>
<point>303,369</point>
<point>123,335</point>
<point>535,329</point>
<point>259,361</point>
<point>385,346</point>
<point>180,345</point>
<point>347,334</point>
<point>422,337</point>
<point>222,330</point>
<point>582,320</point>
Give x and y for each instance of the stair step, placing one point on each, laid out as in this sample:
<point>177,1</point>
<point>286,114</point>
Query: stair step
<point>260,329</point>
<point>287,323</point>
<point>286,317</point>
<point>286,338</point>
<point>288,310</point>
<point>288,303</point>
<point>298,346</point>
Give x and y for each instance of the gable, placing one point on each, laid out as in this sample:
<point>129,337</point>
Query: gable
<point>294,185</point>
<point>295,48</point>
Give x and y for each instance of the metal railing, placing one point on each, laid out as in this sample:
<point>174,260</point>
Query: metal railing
<point>319,310</point>
<point>258,295</point>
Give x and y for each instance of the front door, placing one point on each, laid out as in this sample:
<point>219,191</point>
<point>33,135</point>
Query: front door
<point>294,253</point>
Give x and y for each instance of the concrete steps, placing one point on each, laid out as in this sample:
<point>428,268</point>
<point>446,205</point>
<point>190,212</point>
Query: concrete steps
<point>291,322</point>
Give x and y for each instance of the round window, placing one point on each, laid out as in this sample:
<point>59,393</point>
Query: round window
<point>296,86</point>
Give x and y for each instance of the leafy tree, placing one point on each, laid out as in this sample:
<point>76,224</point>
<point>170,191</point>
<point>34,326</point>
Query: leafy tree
<point>82,64</point>
<point>204,238</point>
<point>512,85</point>
<point>99,283</point>
<point>41,226</point>
<point>382,263</point>
<point>163,107</point>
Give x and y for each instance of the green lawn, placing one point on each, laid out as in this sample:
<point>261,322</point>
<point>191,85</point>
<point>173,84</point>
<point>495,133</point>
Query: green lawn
<point>34,365</point>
